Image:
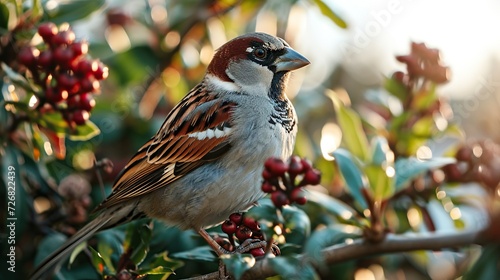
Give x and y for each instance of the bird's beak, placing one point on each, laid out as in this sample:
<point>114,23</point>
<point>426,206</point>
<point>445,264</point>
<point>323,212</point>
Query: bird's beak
<point>290,60</point>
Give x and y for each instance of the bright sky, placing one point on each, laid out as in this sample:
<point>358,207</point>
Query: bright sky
<point>467,33</point>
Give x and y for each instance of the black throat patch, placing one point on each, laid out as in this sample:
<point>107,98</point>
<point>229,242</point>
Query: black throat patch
<point>283,114</point>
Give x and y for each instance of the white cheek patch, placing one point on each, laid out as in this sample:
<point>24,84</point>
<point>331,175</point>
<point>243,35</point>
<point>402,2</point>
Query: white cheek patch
<point>223,85</point>
<point>210,133</point>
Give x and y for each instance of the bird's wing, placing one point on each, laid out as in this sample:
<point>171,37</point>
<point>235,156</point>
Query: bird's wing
<point>195,132</point>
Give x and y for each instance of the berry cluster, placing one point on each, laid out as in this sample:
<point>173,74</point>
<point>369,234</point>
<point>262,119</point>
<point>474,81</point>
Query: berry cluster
<point>60,67</point>
<point>285,180</point>
<point>243,228</point>
<point>476,162</point>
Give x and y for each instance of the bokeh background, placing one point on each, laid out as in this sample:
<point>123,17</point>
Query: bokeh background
<point>156,50</point>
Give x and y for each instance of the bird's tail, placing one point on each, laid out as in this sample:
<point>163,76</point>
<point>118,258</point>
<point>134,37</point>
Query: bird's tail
<point>44,269</point>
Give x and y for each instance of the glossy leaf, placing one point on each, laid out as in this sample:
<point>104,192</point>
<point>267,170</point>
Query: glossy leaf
<point>354,178</point>
<point>382,154</point>
<point>409,168</point>
<point>78,249</point>
<point>329,236</point>
<point>97,261</point>
<point>353,135</point>
<point>328,12</point>
<point>84,132</point>
<point>297,224</point>
<point>17,78</point>
<point>291,267</point>
<point>70,11</point>
<point>201,253</point>
<point>237,264</point>
<point>137,239</point>
<point>381,182</point>
<point>333,206</point>
<point>486,266</point>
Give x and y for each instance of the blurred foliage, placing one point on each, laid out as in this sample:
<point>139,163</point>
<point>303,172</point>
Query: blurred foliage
<point>393,172</point>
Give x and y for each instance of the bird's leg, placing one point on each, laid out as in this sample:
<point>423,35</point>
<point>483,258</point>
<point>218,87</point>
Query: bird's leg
<point>217,248</point>
<point>244,247</point>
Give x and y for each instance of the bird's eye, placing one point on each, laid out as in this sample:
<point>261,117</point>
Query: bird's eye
<point>260,53</point>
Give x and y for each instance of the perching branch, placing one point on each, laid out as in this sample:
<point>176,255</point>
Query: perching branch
<point>393,243</point>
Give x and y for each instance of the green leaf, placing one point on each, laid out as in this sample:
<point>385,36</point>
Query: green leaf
<point>486,266</point>
<point>329,236</point>
<point>97,261</point>
<point>137,239</point>
<point>55,122</point>
<point>17,78</point>
<point>328,12</point>
<point>290,267</point>
<point>106,251</point>
<point>381,181</point>
<point>201,253</point>
<point>84,132</point>
<point>4,16</point>
<point>382,153</point>
<point>409,168</point>
<point>332,205</point>
<point>78,249</point>
<point>353,176</point>
<point>396,88</point>
<point>36,9</point>
<point>70,11</point>
<point>155,271</point>
<point>267,216</point>
<point>237,264</point>
<point>161,264</point>
<point>353,135</point>
<point>297,224</point>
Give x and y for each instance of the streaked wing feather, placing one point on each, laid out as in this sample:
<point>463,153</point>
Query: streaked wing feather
<point>176,149</point>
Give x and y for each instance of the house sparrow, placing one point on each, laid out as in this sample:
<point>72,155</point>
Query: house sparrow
<point>206,160</point>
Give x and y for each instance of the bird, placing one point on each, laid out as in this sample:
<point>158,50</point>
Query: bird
<point>206,160</point>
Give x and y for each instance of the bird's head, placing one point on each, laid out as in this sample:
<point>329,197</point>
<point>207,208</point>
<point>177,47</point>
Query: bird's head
<point>255,63</point>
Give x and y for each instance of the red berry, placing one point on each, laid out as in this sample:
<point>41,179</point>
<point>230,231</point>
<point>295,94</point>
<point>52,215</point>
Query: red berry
<point>80,117</point>
<point>28,56</point>
<point>45,59</point>
<point>295,166</point>
<point>229,227</point>
<point>243,233</point>
<point>63,56</point>
<point>267,175</point>
<point>297,196</point>
<point>73,101</point>
<point>251,223</point>
<point>89,85</point>
<point>83,68</point>
<point>276,166</point>
<point>237,218</point>
<point>79,48</point>
<point>312,177</point>
<point>87,102</point>
<point>268,187</point>
<point>279,199</point>
<point>464,154</point>
<point>47,31</point>
<point>55,95</point>
<point>99,71</point>
<point>66,82</point>
<point>257,252</point>
<point>63,38</point>
<point>306,164</point>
